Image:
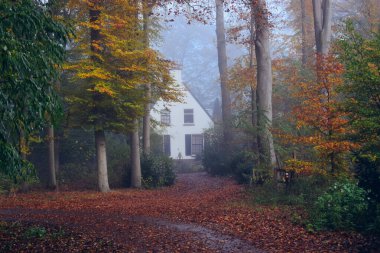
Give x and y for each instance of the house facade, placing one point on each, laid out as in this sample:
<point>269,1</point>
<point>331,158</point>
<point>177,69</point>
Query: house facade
<point>181,125</point>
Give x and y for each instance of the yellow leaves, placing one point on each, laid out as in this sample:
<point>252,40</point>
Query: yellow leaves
<point>96,73</point>
<point>104,88</point>
<point>302,167</point>
<point>134,68</point>
<point>373,69</point>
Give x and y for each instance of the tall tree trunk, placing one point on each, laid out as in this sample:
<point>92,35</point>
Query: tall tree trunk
<point>148,89</point>
<point>52,173</point>
<point>57,142</point>
<point>303,33</point>
<point>255,141</point>
<point>223,72</point>
<point>101,156</point>
<point>146,121</point>
<point>307,39</point>
<point>100,140</point>
<point>322,11</point>
<point>264,83</point>
<point>135,157</point>
<point>374,15</point>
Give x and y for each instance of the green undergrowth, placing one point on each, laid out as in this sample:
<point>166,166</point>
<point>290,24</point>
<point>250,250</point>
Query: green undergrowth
<point>32,237</point>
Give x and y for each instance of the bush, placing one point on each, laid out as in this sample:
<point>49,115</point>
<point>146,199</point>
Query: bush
<point>242,165</point>
<point>301,191</point>
<point>157,171</point>
<point>342,206</point>
<point>215,158</point>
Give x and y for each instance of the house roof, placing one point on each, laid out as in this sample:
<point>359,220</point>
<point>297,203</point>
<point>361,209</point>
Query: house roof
<point>196,99</point>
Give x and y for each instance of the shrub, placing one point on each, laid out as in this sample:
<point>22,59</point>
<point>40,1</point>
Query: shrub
<point>342,206</point>
<point>242,165</point>
<point>157,171</point>
<point>301,191</point>
<point>35,232</point>
<point>215,158</point>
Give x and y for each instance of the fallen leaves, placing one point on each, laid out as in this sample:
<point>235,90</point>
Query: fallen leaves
<point>198,214</point>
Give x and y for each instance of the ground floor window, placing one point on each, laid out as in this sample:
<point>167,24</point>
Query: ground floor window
<point>193,144</point>
<point>166,145</point>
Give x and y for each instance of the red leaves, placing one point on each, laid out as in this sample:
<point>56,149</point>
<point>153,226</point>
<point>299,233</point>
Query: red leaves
<point>198,214</point>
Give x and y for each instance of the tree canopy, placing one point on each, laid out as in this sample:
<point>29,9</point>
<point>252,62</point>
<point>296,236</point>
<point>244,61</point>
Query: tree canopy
<point>32,51</point>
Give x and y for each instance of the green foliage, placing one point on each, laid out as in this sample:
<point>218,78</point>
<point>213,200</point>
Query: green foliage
<point>242,165</point>
<point>35,232</point>
<point>342,206</point>
<point>157,171</point>
<point>77,152</point>
<point>214,158</point>
<point>32,50</point>
<point>368,172</point>
<point>361,57</point>
<point>301,191</point>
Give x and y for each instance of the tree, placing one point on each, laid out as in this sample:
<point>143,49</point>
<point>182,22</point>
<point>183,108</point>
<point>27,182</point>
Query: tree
<point>33,49</point>
<point>264,83</point>
<point>361,91</point>
<point>52,170</point>
<point>223,71</point>
<point>319,112</point>
<point>322,11</point>
<point>135,157</point>
<point>302,22</point>
<point>110,64</point>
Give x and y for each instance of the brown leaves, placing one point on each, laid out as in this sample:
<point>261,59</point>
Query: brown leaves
<point>198,214</point>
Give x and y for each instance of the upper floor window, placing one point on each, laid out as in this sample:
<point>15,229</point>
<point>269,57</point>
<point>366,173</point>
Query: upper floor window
<point>188,116</point>
<point>165,117</point>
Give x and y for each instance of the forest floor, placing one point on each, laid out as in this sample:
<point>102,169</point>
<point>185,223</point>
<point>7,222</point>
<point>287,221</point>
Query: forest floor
<point>198,214</point>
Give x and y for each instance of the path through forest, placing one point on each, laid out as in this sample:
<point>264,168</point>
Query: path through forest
<point>199,214</point>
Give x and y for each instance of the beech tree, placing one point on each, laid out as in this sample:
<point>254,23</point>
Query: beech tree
<point>264,82</point>
<point>110,66</point>
<point>33,49</point>
<point>322,11</point>
<point>223,71</point>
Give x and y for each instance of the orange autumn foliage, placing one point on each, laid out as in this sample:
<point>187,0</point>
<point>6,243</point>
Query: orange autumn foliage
<point>318,114</point>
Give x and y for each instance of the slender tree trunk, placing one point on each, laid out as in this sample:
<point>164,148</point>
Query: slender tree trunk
<point>255,141</point>
<point>303,33</point>
<point>374,15</point>
<point>52,172</point>
<point>322,11</point>
<point>135,158</point>
<point>148,88</point>
<point>223,72</point>
<point>56,153</point>
<point>146,122</point>
<point>264,83</point>
<point>101,156</point>
<point>100,140</point>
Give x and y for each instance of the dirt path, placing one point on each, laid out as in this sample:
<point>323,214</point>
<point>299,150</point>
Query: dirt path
<point>199,214</point>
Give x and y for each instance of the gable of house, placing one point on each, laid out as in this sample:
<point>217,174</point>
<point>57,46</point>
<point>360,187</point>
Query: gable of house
<point>182,124</point>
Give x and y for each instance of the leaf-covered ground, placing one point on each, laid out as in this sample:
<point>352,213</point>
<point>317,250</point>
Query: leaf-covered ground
<point>198,214</point>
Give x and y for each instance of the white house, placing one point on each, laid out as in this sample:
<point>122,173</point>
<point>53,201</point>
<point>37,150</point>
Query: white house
<point>181,124</point>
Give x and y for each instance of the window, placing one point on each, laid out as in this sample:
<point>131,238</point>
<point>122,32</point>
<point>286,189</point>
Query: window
<point>165,117</point>
<point>188,116</point>
<point>166,145</point>
<point>193,144</point>
<point>196,144</point>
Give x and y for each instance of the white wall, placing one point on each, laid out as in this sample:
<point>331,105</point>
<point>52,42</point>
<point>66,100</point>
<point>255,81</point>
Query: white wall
<point>177,128</point>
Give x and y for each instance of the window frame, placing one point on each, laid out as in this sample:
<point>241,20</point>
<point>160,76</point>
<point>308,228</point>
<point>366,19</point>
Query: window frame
<point>192,148</point>
<point>188,116</point>
<point>165,117</point>
<point>166,145</point>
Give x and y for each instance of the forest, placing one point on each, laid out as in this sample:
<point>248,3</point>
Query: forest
<point>291,162</point>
